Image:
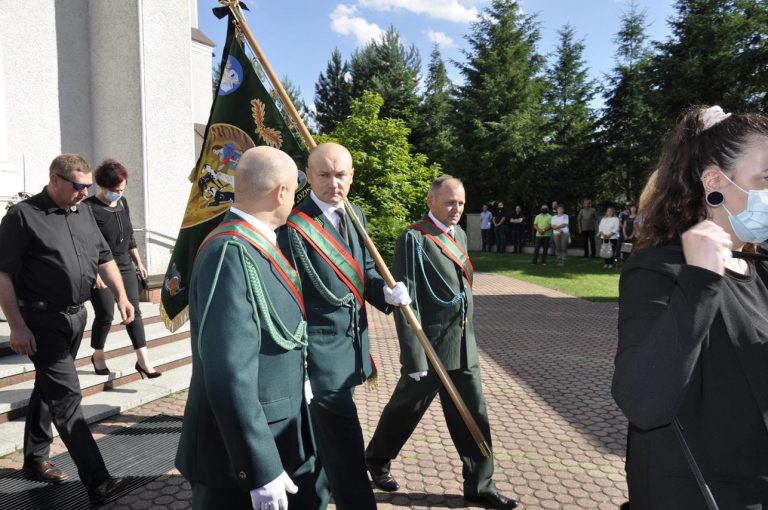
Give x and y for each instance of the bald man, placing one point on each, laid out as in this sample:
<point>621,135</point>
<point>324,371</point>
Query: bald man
<point>338,275</point>
<point>431,257</point>
<point>245,440</point>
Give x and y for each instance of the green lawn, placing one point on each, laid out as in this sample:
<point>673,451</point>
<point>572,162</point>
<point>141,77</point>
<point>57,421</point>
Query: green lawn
<point>580,277</point>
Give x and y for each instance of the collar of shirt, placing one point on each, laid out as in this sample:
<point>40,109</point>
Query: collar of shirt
<point>441,225</point>
<point>257,224</point>
<point>50,206</point>
<point>328,209</point>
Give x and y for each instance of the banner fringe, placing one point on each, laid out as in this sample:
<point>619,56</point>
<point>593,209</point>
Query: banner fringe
<point>172,324</point>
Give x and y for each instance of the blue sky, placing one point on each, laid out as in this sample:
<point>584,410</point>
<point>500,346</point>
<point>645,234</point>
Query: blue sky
<point>298,36</point>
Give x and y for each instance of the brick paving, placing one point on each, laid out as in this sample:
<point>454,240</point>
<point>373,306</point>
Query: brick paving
<point>558,437</point>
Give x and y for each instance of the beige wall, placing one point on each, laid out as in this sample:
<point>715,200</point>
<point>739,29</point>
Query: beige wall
<point>108,79</point>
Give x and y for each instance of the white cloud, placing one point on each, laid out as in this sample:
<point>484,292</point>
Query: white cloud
<point>451,10</point>
<point>439,38</point>
<point>344,21</point>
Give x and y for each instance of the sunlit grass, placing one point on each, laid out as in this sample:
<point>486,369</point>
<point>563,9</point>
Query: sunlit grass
<point>580,277</point>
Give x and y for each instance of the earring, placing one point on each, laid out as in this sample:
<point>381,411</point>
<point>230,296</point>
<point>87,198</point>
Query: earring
<point>714,199</point>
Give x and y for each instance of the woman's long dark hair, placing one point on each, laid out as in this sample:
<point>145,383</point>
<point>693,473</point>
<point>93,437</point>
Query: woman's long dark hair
<point>675,201</point>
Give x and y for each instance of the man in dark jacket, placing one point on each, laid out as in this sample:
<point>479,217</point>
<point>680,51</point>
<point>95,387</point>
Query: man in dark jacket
<point>246,441</point>
<point>338,276</point>
<point>442,297</point>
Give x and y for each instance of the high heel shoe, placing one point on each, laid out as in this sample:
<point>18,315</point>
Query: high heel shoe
<point>142,372</point>
<point>99,371</point>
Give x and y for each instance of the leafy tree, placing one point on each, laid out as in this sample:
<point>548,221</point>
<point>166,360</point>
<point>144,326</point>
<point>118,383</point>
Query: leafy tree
<point>717,54</point>
<point>628,126</point>
<point>499,122</point>
<point>391,183</point>
<point>333,94</point>
<point>387,68</point>
<point>570,123</point>
<point>432,135</point>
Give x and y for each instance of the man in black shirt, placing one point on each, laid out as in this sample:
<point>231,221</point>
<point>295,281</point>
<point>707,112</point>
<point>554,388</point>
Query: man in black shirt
<point>51,252</point>
<point>516,225</point>
<point>500,228</point>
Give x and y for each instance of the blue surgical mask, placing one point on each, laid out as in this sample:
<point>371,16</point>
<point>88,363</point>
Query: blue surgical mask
<point>751,225</point>
<point>112,196</point>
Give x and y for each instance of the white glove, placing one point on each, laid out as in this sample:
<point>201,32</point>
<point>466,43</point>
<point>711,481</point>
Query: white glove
<point>273,495</point>
<point>308,395</point>
<point>416,376</point>
<point>397,295</point>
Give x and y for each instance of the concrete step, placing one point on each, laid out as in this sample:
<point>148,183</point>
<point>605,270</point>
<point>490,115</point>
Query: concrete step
<point>15,368</point>
<point>14,398</point>
<point>150,312</point>
<point>107,403</point>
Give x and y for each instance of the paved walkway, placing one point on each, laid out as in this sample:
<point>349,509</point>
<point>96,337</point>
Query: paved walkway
<point>558,438</point>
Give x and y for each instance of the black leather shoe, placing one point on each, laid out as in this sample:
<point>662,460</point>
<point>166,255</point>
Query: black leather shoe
<point>106,489</point>
<point>383,481</point>
<point>493,500</point>
<point>45,471</point>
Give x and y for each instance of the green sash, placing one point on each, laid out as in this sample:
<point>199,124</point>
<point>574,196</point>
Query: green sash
<point>256,239</point>
<point>448,245</point>
<point>337,256</point>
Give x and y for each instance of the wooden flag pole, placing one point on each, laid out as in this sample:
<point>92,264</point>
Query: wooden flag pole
<point>434,360</point>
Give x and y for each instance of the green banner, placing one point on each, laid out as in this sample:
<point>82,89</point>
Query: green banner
<point>243,115</point>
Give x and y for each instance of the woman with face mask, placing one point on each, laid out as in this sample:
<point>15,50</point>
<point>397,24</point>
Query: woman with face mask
<point>691,370</point>
<point>113,218</point>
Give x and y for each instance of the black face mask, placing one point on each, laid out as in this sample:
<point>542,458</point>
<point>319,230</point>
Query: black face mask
<point>544,211</point>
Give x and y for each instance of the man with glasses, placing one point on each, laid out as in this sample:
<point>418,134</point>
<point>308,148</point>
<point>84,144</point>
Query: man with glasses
<point>52,250</point>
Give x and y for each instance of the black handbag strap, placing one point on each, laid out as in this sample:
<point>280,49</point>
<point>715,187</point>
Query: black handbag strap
<point>703,487</point>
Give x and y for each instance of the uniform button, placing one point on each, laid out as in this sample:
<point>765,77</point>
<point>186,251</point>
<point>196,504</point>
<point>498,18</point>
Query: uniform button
<point>241,475</point>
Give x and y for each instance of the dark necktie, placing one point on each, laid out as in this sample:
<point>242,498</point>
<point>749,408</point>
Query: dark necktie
<point>342,225</point>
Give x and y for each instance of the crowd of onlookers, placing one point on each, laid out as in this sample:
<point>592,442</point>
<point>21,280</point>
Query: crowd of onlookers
<point>551,231</point>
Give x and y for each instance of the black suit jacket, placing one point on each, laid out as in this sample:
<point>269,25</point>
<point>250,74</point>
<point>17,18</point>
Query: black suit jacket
<point>688,349</point>
<point>339,351</point>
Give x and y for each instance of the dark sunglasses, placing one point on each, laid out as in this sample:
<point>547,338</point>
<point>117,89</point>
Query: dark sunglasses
<point>77,186</point>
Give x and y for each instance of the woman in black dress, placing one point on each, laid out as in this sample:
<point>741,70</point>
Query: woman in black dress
<point>113,218</point>
<point>692,361</point>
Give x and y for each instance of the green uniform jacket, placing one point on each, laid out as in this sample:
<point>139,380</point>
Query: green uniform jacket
<point>448,328</point>
<point>245,420</point>
<point>339,351</point>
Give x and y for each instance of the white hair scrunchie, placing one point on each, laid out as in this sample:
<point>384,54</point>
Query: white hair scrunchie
<point>711,116</point>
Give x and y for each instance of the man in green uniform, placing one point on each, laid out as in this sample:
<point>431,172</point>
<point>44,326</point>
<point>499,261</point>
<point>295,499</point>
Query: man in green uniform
<point>245,440</point>
<point>431,258</point>
<point>338,276</point>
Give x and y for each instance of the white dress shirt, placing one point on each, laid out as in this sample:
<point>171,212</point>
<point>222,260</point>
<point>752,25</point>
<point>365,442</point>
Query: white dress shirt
<point>257,224</point>
<point>441,225</point>
<point>329,210</point>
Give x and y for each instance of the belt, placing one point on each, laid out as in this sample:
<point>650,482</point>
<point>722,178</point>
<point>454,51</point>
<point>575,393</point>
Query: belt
<point>42,305</point>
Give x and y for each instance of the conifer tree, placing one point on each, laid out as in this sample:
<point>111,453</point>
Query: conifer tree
<point>432,134</point>
<point>570,124</point>
<point>333,94</point>
<point>499,120</point>
<point>628,132</point>
<point>391,70</point>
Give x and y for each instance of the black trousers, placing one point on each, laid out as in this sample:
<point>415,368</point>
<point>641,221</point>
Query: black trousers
<point>501,238</point>
<point>589,243</point>
<point>340,451</point>
<point>104,312</point>
<point>542,243</point>
<point>485,233</point>
<point>410,401</point>
<point>516,235</point>
<point>56,395</point>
